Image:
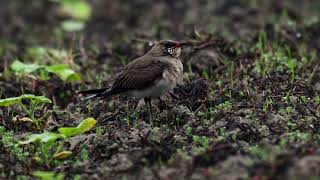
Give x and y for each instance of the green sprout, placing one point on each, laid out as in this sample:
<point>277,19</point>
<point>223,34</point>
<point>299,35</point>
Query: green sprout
<point>274,58</point>
<point>48,175</point>
<point>49,148</point>
<point>41,54</point>
<point>201,144</point>
<point>226,106</point>
<point>64,132</point>
<point>317,99</point>
<point>9,142</point>
<point>35,103</point>
<point>61,70</point>
<point>268,104</point>
<point>79,12</point>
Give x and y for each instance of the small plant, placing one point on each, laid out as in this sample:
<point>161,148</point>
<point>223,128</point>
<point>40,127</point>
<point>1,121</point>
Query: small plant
<point>291,125</point>
<point>46,55</point>
<point>35,102</point>
<point>48,175</point>
<point>189,131</point>
<point>79,11</point>
<point>268,104</point>
<point>262,41</point>
<point>298,136</point>
<point>304,99</point>
<point>201,144</point>
<point>22,177</point>
<point>226,106</point>
<point>222,132</point>
<point>260,153</point>
<point>99,132</point>
<point>295,137</point>
<point>276,58</point>
<point>127,116</point>
<point>317,99</point>
<point>83,156</point>
<point>292,64</point>
<point>209,113</point>
<point>189,68</point>
<point>11,145</point>
<point>229,94</point>
<point>287,111</point>
<point>49,149</point>
<point>205,74</point>
<point>64,132</point>
<point>218,83</point>
<point>61,70</point>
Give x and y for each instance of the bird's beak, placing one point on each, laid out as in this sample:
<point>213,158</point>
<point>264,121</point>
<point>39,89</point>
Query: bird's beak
<point>179,44</point>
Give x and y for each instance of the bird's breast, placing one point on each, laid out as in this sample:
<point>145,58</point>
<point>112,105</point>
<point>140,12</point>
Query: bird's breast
<point>177,71</point>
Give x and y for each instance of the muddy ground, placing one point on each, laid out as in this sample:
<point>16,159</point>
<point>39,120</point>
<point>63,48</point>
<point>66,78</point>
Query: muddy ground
<point>248,107</point>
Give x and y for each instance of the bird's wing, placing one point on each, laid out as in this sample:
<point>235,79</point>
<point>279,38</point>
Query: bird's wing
<point>138,76</point>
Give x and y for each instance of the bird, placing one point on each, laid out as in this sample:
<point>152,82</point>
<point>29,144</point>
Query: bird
<point>149,76</point>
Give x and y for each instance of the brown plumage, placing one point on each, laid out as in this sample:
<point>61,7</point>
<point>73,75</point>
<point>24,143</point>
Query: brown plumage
<point>149,76</point>
<point>138,76</point>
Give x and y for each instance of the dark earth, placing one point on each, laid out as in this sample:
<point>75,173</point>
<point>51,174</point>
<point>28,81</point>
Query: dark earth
<point>248,107</point>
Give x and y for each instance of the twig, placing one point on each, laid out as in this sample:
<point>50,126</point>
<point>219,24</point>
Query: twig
<point>198,109</point>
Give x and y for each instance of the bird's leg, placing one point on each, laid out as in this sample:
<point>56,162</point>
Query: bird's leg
<point>133,114</point>
<point>148,101</point>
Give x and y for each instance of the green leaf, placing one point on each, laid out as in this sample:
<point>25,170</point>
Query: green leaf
<point>45,137</point>
<point>22,68</point>
<point>14,100</point>
<point>2,130</point>
<point>64,72</point>
<point>48,175</point>
<point>72,25</point>
<point>46,55</point>
<point>36,53</point>
<point>78,9</point>
<point>38,99</point>
<point>10,101</point>
<point>59,55</point>
<point>84,126</point>
<point>61,70</point>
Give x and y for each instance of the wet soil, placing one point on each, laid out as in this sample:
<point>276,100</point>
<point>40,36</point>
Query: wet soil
<point>240,113</point>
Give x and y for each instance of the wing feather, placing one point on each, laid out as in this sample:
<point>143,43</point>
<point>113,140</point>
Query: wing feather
<point>138,77</point>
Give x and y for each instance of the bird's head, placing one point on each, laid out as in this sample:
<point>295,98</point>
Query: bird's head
<point>167,48</point>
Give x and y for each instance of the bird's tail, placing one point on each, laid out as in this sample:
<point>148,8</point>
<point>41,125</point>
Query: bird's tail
<point>103,92</point>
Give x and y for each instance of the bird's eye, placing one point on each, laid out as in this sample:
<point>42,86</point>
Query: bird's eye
<point>170,50</point>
